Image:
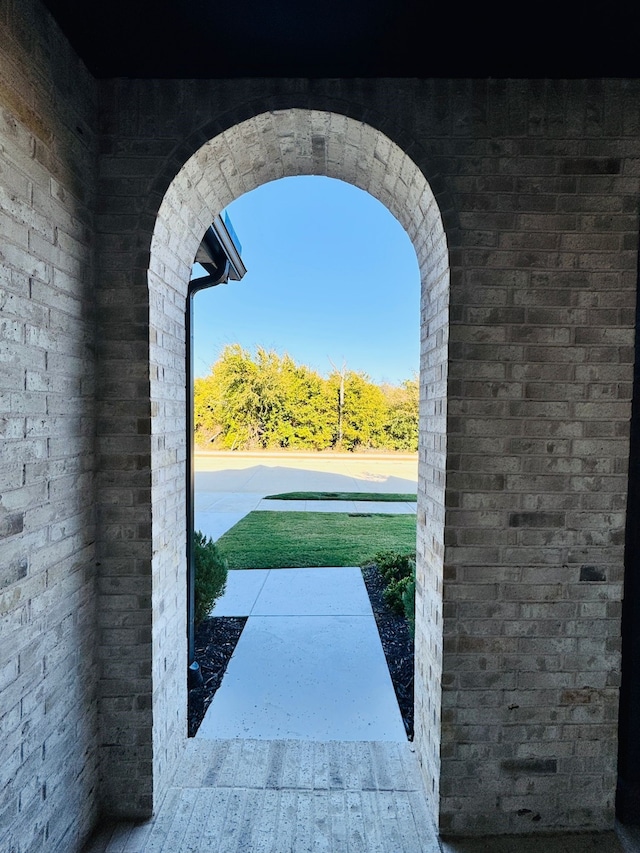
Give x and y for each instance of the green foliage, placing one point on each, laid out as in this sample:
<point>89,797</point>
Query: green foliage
<point>393,594</point>
<point>266,401</point>
<point>401,423</point>
<point>211,574</point>
<point>395,565</point>
<point>398,570</point>
<point>409,602</point>
<point>363,411</point>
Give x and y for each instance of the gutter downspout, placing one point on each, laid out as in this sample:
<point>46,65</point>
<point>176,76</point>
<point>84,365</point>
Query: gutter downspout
<point>224,263</point>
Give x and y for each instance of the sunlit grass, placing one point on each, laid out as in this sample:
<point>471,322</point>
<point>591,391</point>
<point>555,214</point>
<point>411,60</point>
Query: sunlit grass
<point>280,540</point>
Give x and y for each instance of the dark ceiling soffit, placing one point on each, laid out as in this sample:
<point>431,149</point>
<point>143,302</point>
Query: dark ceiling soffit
<point>155,39</point>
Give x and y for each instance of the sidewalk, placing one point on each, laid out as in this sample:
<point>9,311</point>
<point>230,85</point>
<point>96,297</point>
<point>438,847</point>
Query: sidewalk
<point>309,664</point>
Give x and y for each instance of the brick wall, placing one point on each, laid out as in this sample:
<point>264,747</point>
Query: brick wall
<point>520,560</point>
<point>264,148</point>
<point>537,185</point>
<point>541,356</point>
<point>48,755</point>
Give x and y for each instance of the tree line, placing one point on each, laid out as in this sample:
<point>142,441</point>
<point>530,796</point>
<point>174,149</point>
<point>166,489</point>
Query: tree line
<point>267,401</point>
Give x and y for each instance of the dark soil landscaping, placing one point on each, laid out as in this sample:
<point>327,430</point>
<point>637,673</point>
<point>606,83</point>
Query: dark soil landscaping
<point>216,639</point>
<point>397,643</point>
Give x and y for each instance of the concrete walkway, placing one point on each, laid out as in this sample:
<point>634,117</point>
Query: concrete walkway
<point>309,664</point>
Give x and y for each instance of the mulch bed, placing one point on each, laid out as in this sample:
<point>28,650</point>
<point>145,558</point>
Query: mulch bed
<point>397,643</point>
<point>215,642</point>
<point>216,639</point>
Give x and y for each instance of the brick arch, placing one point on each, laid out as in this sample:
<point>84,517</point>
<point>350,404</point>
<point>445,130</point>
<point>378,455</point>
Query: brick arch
<point>318,103</point>
<point>264,148</point>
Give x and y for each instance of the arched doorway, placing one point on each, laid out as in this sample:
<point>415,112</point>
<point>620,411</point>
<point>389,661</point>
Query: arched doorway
<point>263,148</point>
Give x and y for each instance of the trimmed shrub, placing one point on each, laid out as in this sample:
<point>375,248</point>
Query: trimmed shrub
<point>399,573</point>
<point>409,603</point>
<point>393,566</point>
<point>393,593</point>
<point>211,574</point>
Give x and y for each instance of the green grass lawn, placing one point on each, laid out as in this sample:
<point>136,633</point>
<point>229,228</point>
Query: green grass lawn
<point>395,497</point>
<point>280,540</point>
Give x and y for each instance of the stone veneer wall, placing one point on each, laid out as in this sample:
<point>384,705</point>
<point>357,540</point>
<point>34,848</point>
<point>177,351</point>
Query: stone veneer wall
<point>48,717</point>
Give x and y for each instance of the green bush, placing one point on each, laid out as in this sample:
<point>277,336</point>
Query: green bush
<point>409,602</point>
<point>399,573</point>
<point>394,565</point>
<point>211,574</point>
<point>393,593</point>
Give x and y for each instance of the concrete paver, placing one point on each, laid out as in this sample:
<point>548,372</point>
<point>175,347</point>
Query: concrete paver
<point>313,592</point>
<point>306,678</point>
<point>385,507</point>
<point>226,501</point>
<point>283,796</point>
<point>241,592</point>
<point>214,524</point>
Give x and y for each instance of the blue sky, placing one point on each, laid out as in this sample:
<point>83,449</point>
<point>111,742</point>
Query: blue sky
<point>331,276</point>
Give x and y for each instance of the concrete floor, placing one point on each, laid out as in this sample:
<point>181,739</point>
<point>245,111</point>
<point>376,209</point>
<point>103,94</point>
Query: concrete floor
<point>256,796</point>
<point>245,796</point>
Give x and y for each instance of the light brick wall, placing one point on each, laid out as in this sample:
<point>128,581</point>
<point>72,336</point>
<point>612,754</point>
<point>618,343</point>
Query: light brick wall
<point>434,339</point>
<point>537,185</point>
<point>267,147</point>
<point>48,720</point>
<point>541,357</point>
<point>518,641</point>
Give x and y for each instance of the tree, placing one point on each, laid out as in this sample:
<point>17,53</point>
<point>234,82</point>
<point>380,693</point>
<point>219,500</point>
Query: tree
<point>267,401</point>
<point>401,424</point>
<point>363,410</point>
<point>206,410</point>
<point>308,418</point>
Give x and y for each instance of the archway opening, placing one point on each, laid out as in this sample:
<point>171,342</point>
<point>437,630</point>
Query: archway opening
<point>261,149</point>
<point>306,379</point>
